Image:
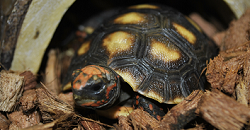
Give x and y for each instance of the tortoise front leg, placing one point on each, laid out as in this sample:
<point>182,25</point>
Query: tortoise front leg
<point>149,105</point>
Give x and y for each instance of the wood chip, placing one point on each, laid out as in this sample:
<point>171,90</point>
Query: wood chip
<point>28,100</point>
<point>124,123</point>
<point>208,28</point>
<point>68,98</point>
<point>4,122</point>
<point>218,38</point>
<point>20,120</point>
<point>51,106</point>
<point>222,111</point>
<point>182,113</point>
<point>242,92</point>
<point>60,123</point>
<point>230,67</point>
<point>214,72</point>
<point>29,80</point>
<point>142,120</point>
<point>52,81</point>
<point>237,33</point>
<point>10,90</point>
<point>88,125</point>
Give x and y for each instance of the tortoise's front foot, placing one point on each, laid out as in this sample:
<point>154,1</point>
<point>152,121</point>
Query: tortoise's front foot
<point>149,105</point>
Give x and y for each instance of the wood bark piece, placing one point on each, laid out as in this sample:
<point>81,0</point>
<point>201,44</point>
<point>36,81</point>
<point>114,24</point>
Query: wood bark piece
<point>52,81</point>
<point>222,71</point>
<point>57,124</point>
<point>238,32</point>
<point>36,32</point>
<point>215,73</point>
<point>51,106</point>
<point>4,122</point>
<point>48,126</point>
<point>142,120</point>
<point>11,30</point>
<point>246,75</point>
<point>124,123</point>
<point>229,71</point>
<point>222,111</point>
<point>67,97</point>
<point>10,90</point>
<point>208,28</point>
<point>242,92</point>
<point>87,122</point>
<point>199,127</point>
<point>218,38</point>
<point>29,80</point>
<point>88,125</point>
<point>29,100</point>
<point>182,113</point>
<point>20,120</point>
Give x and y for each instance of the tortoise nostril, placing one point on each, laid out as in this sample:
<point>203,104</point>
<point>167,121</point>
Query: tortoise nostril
<point>96,87</point>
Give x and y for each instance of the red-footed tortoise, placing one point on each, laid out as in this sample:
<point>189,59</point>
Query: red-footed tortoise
<point>157,50</point>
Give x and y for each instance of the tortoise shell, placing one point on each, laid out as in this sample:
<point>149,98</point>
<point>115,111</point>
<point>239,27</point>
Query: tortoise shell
<point>157,50</point>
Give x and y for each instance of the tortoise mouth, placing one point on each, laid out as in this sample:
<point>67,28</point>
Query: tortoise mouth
<point>93,104</point>
<point>88,103</point>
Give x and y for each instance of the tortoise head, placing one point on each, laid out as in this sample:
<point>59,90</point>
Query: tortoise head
<point>95,87</point>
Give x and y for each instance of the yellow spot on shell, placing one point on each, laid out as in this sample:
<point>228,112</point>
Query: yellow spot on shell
<point>189,36</point>
<point>131,18</point>
<point>160,51</point>
<point>177,100</point>
<point>194,24</point>
<point>143,6</point>
<point>155,96</point>
<point>129,78</point>
<point>84,48</point>
<point>118,42</point>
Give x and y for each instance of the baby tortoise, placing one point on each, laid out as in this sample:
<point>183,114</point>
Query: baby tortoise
<point>155,49</point>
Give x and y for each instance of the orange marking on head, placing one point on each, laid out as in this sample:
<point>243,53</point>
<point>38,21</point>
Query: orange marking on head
<point>158,117</point>
<point>89,71</point>
<point>150,107</point>
<point>100,76</point>
<point>93,104</point>
<point>109,89</point>
<point>137,102</point>
<point>83,80</point>
<point>95,69</point>
<point>137,96</point>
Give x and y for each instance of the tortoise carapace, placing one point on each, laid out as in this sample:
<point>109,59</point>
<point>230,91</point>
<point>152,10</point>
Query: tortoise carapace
<point>157,50</point>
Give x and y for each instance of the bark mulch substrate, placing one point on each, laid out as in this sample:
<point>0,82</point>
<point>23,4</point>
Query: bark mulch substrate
<point>26,104</point>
